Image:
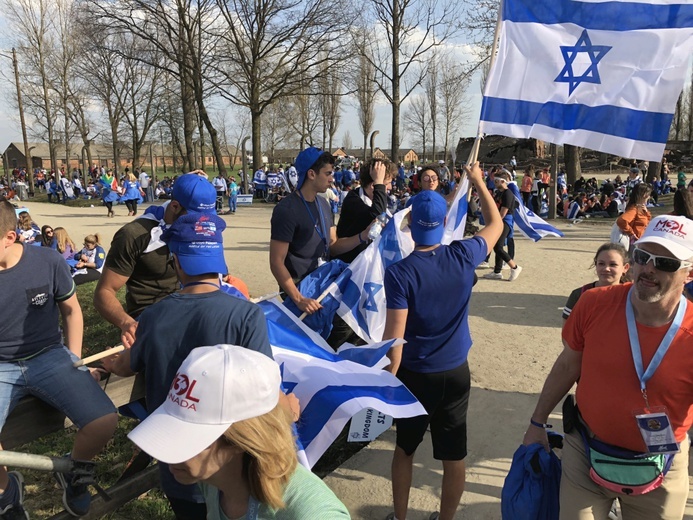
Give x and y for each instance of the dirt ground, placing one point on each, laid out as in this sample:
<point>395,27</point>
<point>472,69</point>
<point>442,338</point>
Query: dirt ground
<point>516,332</point>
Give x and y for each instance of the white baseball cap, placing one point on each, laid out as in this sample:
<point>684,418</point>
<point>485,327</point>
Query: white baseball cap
<point>214,388</point>
<point>672,232</point>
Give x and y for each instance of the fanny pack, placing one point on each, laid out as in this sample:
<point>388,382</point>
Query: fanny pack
<point>617,469</point>
<point>624,471</point>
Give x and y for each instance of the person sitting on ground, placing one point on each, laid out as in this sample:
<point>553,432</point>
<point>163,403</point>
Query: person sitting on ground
<point>27,229</point>
<point>37,359</point>
<point>64,244</point>
<point>611,265</point>
<point>48,237</point>
<point>613,208</point>
<point>237,443</point>
<point>89,260</point>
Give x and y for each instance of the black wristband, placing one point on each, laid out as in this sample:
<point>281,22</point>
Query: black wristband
<point>540,425</point>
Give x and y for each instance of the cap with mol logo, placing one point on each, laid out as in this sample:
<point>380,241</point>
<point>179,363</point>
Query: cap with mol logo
<point>214,388</point>
<point>675,233</point>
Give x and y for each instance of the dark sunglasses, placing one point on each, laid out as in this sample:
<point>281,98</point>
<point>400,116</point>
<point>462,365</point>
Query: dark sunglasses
<point>661,263</point>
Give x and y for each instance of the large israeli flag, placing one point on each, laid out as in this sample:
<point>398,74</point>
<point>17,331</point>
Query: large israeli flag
<point>529,223</point>
<point>332,387</point>
<point>605,75</point>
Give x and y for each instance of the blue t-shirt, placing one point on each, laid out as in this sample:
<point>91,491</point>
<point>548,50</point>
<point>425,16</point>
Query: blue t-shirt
<point>435,286</point>
<point>170,329</point>
<point>31,292</point>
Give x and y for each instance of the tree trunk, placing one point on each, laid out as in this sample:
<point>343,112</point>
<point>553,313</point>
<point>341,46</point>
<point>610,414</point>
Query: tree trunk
<point>396,25</point>
<point>365,145</point>
<point>255,123</point>
<point>572,163</point>
<point>188,119</point>
<point>653,170</point>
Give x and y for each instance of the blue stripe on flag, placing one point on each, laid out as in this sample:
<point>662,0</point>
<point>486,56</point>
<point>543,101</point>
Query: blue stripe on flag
<point>364,355</point>
<point>282,330</point>
<point>607,16</point>
<point>326,401</point>
<point>621,122</point>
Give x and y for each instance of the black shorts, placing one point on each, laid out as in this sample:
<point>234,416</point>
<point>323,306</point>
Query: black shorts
<point>445,396</point>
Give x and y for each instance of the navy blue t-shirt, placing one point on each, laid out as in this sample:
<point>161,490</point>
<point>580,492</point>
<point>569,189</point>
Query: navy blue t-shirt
<point>31,292</point>
<point>170,329</point>
<point>435,286</point>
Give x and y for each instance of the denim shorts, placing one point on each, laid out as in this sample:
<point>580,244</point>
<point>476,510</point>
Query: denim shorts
<point>51,377</point>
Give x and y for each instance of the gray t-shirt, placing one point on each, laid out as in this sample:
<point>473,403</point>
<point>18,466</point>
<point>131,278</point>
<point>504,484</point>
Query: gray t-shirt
<point>306,497</point>
<point>31,291</point>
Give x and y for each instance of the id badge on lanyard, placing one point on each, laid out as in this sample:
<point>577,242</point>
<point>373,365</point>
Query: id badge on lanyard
<point>653,421</point>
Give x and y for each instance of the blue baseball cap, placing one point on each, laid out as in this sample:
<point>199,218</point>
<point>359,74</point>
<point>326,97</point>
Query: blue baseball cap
<point>305,161</point>
<point>428,210</point>
<point>196,194</point>
<point>195,238</point>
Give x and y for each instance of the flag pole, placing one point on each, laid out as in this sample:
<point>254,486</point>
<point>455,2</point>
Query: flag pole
<point>474,152</point>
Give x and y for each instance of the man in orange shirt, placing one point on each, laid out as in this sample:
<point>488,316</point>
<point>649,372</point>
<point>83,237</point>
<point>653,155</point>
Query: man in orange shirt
<point>629,347</point>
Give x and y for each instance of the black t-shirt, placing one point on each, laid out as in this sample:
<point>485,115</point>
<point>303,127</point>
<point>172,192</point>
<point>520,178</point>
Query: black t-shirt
<point>574,297</point>
<point>301,223</point>
<point>151,277</point>
<point>356,216</point>
<point>612,208</point>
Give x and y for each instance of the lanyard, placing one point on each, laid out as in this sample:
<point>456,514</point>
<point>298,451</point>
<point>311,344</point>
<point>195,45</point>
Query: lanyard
<point>321,228</point>
<point>644,375</point>
<point>253,508</point>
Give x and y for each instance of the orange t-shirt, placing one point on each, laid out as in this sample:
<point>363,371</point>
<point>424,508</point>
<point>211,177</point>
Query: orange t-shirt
<point>609,390</point>
<point>634,221</point>
<point>526,184</point>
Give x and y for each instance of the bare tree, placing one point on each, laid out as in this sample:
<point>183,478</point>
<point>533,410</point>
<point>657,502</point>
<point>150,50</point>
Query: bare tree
<point>274,130</point>
<point>454,104</point>
<point>329,101</point>
<point>270,48</point>
<point>301,109</point>
<point>347,143</point>
<point>366,91</point>
<point>32,20</point>
<point>417,118</point>
<point>411,29</point>
<point>431,87</point>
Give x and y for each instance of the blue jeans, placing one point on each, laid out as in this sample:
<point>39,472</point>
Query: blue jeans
<point>232,202</point>
<point>51,377</point>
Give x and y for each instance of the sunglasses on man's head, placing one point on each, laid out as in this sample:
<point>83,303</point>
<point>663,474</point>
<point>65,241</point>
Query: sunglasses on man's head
<point>661,263</point>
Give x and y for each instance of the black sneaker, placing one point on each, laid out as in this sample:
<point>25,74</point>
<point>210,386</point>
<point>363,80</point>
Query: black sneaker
<point>16,511</point>
<point>76,496</point>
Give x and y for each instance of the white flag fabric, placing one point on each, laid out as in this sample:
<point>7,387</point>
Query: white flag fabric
<point>602,75</point>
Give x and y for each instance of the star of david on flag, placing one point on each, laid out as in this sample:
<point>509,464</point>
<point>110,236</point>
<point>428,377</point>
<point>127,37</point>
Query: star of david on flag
<point>604,75</point>
<point>595,53</point>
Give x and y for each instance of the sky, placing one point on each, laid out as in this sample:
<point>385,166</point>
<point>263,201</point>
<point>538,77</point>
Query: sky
<point>10,129</point>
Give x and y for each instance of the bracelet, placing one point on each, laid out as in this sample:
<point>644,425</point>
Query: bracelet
<point>361,240</point>
<point>540,425</point>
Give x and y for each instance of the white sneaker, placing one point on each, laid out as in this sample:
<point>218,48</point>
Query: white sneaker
<point>493,276</point>
<point>484,265</point>
<point>514,273</point>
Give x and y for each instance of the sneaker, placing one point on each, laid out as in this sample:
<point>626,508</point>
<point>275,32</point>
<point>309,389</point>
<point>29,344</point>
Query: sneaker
<point>76,497</point>
<point>16,511</point>
<point>515,273</point>
<point>434,516</point>
<point>493,276</point>
<point>484,265</point>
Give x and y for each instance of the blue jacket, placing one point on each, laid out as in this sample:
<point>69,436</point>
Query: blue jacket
<point>531,488</point>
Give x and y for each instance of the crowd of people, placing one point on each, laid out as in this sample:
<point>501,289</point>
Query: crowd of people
<point>237,442</point>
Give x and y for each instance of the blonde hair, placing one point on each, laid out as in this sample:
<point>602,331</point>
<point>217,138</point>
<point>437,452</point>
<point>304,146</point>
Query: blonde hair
<point>93,239</point>
<point>269,454</point>
<point>131,177</point>
<point>63,239</point>
<point>24,221</point>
